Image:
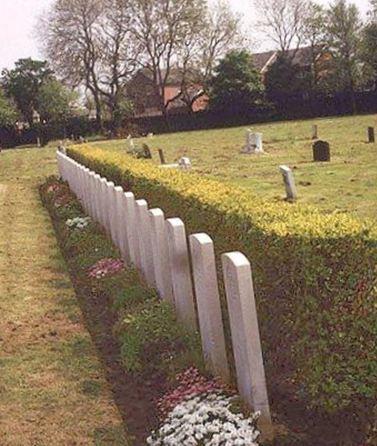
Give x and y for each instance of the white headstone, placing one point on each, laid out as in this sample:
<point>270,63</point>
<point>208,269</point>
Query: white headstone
<point>145,247</point>
<point>289,182</point>
<point>97,203</point>
<point>121,225</point>
<point>131,144</point>
<point>208,302</point>
<point>180,271</point>
<point>185,163</point>
<point>109,208</point>
<point>103,201</point>
<point>254,143</point>
<point>160,250</point>
<point>246,343</point>
<point>132,228</point>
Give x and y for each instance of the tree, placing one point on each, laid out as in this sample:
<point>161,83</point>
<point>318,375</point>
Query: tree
<point>8,114</point>
<point>70,38</point>
<point>166,32</point>
<point>369,47</point>
<point>220,34</point>
<point>373,11</point>
<point>236,86</point>
<point>314,35</point>
<point>343,35</point>
<point>283,21</point>
<point>23,83</point>
<point>54,101</point>
<point>283,80</point>
<point>118,58</point>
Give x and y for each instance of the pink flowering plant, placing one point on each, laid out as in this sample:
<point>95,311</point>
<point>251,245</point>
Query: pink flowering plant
<point>105,267</point>
<point>53,188</point>
<point>191,383</point>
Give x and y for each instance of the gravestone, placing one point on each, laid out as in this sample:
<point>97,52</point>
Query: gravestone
<point>314,131</point>
<point>131,144</point>
<point>160,253</point>
<point>321,151</point>
<point>254,143</point>
<point>61,147</point>
<point>289,182</point>
<point>251,380</point>
<point>208,304</point>
<point>180,272</point>
<point>371,138</point>
<point>185,163</point>
<point>161,155</point>
<point>145,152</point>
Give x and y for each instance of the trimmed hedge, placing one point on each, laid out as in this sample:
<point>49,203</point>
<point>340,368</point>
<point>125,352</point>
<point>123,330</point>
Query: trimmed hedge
<point>314,275</point>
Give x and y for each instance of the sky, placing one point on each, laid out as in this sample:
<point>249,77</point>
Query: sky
<point>19,19</point>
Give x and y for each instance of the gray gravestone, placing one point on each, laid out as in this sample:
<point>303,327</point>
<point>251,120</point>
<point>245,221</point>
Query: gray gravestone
<point>289,182</point>
<point>254,143</point>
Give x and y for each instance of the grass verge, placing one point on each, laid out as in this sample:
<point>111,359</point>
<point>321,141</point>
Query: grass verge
<point>52,386</point>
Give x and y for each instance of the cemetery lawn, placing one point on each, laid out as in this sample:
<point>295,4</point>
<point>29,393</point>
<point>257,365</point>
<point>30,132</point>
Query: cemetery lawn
<point>52,386</point>
<point>346,184</point>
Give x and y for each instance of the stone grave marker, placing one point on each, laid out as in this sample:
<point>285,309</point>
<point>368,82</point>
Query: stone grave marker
<point>185,163</point>
<point>371,137</point>
<point>321,151</point>
<point>254,143</point>
<point>251,380</point>
<point>289,182</point>
<point>208,304</point>
<point>162,157</point>
<point>131,144</point>
<point>314,131</point>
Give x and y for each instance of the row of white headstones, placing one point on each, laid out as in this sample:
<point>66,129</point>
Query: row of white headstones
<point>158,248</point>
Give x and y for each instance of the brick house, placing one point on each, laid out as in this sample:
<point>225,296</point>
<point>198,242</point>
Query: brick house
<point>301,57</point>
<point>141,90</point>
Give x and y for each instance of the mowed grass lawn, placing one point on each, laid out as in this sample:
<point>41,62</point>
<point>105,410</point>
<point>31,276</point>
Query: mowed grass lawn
<point>52,385</point>
<point>347,184</point>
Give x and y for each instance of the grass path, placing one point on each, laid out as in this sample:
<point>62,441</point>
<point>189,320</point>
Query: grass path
<point>52,386</point>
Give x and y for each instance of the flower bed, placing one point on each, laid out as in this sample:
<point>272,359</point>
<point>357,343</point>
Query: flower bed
<point>151,341</point>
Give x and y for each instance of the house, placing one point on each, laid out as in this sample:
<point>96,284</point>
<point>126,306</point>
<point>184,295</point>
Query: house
<point>146,100</point>
<point>302,58</point>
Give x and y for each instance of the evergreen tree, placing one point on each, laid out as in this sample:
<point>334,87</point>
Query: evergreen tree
<point>236,86</point>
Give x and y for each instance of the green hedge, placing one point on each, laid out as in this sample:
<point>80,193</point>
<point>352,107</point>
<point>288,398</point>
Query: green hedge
<point>314,274</point>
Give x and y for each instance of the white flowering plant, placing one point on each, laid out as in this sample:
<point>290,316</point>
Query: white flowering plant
<point>78,222</point>
<point>206,419</point>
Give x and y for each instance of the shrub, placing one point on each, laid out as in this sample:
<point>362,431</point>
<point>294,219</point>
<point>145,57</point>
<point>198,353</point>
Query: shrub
<point>314,275</point>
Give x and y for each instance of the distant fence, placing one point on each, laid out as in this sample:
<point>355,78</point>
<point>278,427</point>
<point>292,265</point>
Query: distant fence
<point>184,275</point>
